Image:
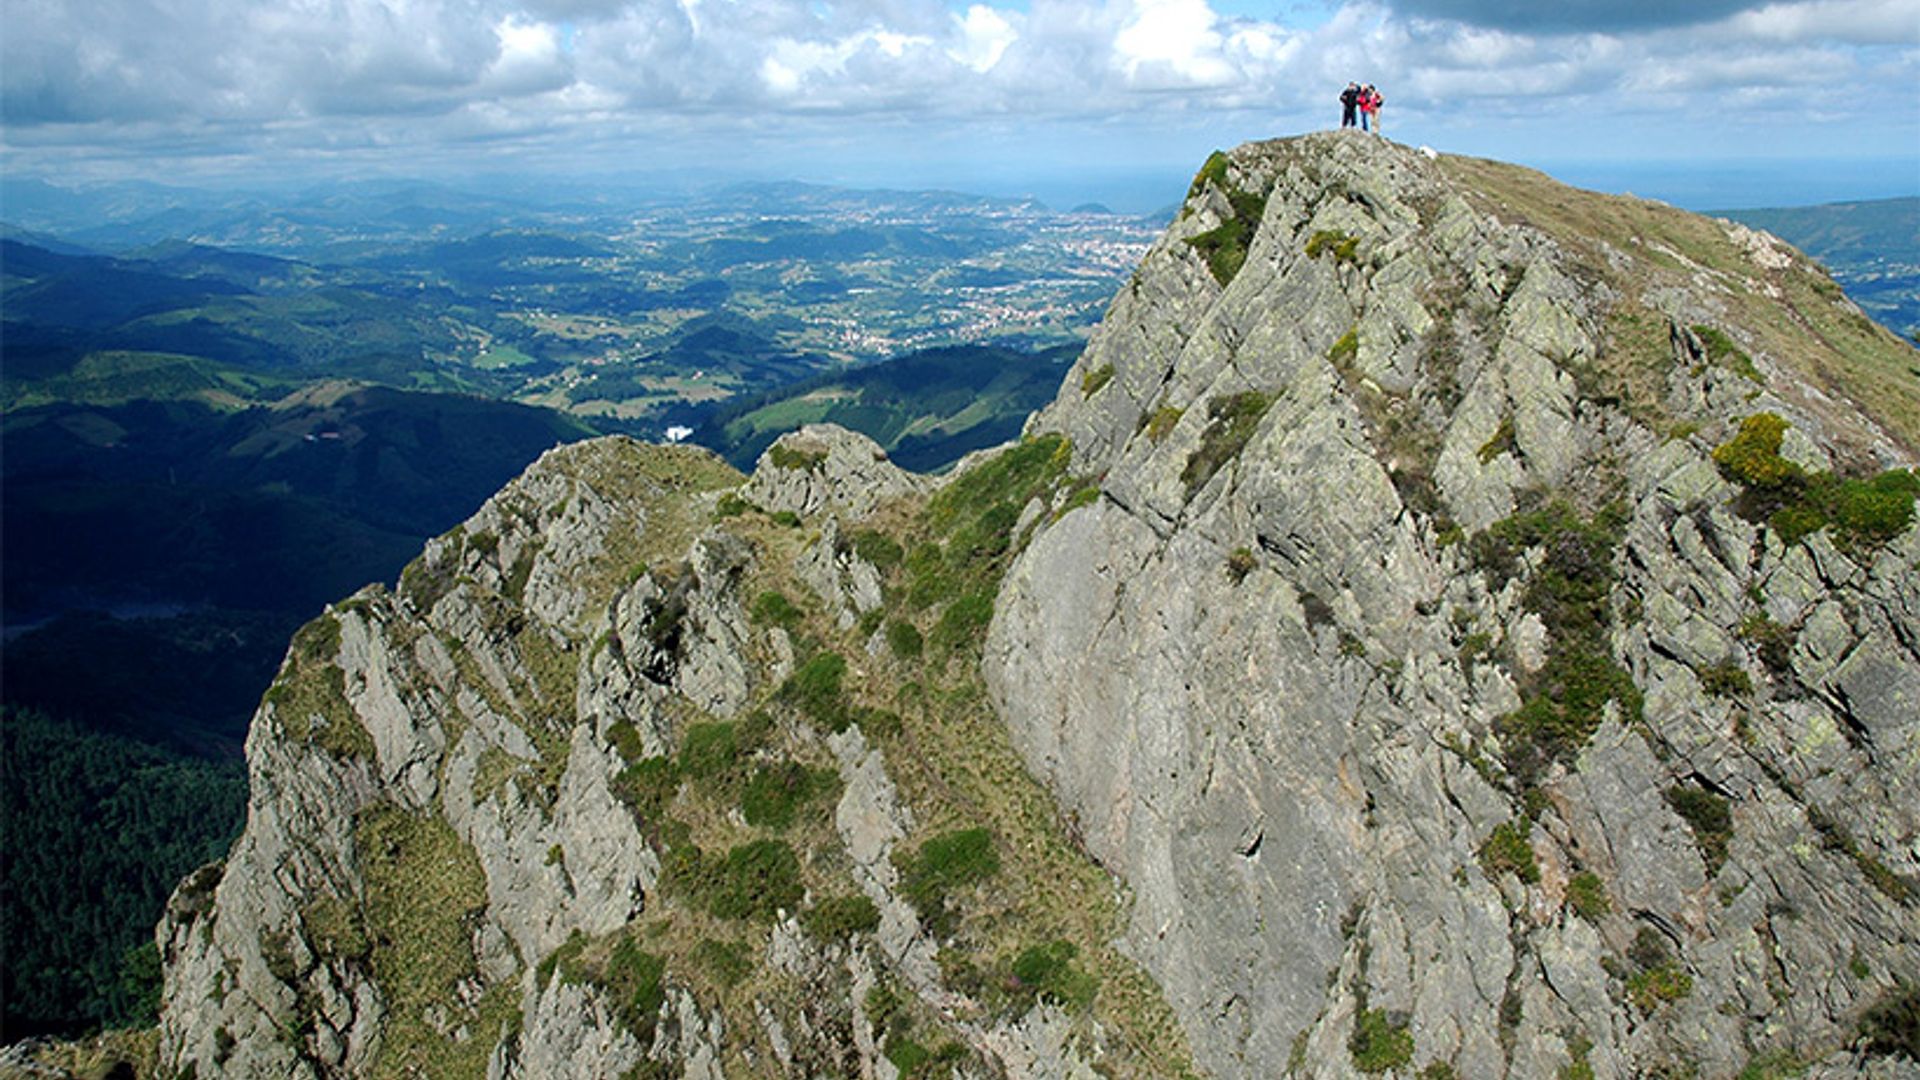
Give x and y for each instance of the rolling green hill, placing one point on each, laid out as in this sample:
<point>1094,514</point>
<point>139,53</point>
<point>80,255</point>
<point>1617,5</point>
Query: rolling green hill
<point>247,521</point>
<point>927,409</point>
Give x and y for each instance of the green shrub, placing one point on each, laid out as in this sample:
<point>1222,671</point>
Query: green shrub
<point>963,621</point>
<point>1047,973</point>
<point>1752,456</point>
<point>782,456</point>
<point>1726,679</point>
<point>625,739</point>
<point>772,606</point>
<point>755,881</point>
<point>907,1056</point>
<point>1863,512</point>
<point>1721,350</point>
<point>1162,422</point>
<point>1869,512</point>
<point>647,787</point>
<point>815,689</point>
<point>1509,849</point>
<point>731,505</point>
<point>1772,641</point>
<point>634,984</point>
<point>1587,896</point>
<point>1095,380</point>
<point>708,750</point>
<point>1565,701</point>
<point>942,864</point>
<point>785,517</point>
<point>775,793</point>
<point>904,639</point>
<point>1656,986</point>
<point>1344,351</point>
<point>1240,563</point>
<point>1891,1028</point>
<point>1379,1043</point>
<point>1224,247</point>
<point>1709,816</point>
<point>1232,420</point>
<point>839,918</point>
<point>1343,247</point>
<point>876,548</point>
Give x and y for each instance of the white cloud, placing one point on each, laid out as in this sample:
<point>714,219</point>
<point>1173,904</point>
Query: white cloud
<point>1171,42</point>
<point>275,76</point>
<point>985,35</point>
<point>1861,22</point>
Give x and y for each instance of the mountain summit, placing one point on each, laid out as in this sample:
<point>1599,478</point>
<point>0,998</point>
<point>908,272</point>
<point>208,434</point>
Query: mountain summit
<point>1447,624</point>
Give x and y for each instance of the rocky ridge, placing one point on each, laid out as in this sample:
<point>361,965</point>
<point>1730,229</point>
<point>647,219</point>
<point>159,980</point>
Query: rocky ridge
<point>1423,636</point>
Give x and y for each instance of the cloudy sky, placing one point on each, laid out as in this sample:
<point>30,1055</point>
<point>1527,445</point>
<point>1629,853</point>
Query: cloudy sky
<point>997,93</point>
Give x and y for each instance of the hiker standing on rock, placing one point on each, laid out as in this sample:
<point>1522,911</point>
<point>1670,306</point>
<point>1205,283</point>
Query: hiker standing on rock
<point>1349,100</point>
<point>1370,102</point>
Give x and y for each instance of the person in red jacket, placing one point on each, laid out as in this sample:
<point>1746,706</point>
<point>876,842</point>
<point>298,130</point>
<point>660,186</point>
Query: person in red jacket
<point>1370,102</point>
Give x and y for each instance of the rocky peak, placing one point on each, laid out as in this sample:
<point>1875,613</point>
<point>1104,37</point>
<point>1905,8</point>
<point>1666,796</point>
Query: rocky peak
<point>1416,635</point>
<point>1446,624</point>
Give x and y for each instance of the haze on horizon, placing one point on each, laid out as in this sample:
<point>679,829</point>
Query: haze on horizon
<point>1706,103</point>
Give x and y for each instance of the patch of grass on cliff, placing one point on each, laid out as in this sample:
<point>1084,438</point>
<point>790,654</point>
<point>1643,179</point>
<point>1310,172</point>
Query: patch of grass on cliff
<point>1587,896</point>
<point>1721,351</point>
<point>782,456</point>
<point>424,888</point>
<point>310,696</point>
<point>1709,816</point>
<point>1834,836</point>
<point>1212,171</point>
<point>1224,247</point>
<point>1509,850</point>
<point>776,793</point>
<point>1862,513</point>
<point>632,980</point>
<point>1047,972</point>
<point>839,918</point>
<point>1342,247</point>
<point>815,688</point>
<point>943,864</point>
<point>1380,1043</point>
<point>1565,701</point>
<point>1231,422</point>
<point>1096,380</point>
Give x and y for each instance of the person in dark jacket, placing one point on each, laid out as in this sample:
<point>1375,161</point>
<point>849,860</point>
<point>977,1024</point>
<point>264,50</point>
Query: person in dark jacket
<point>1349,99</point>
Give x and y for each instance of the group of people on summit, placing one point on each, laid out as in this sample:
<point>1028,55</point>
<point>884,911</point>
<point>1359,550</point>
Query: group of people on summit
<point>1364,100</point>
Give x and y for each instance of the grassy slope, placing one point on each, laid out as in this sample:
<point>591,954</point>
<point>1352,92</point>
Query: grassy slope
<point>1808,329</point>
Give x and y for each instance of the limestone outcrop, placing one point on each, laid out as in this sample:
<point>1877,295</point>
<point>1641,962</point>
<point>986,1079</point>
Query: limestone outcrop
<point>1446,625</point>
<point>1312,654</point>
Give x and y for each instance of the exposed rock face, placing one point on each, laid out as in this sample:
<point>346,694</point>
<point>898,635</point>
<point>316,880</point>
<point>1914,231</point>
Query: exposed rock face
<point>1370,606</point>
<point>1262,690</point>
<point>824,467</point>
